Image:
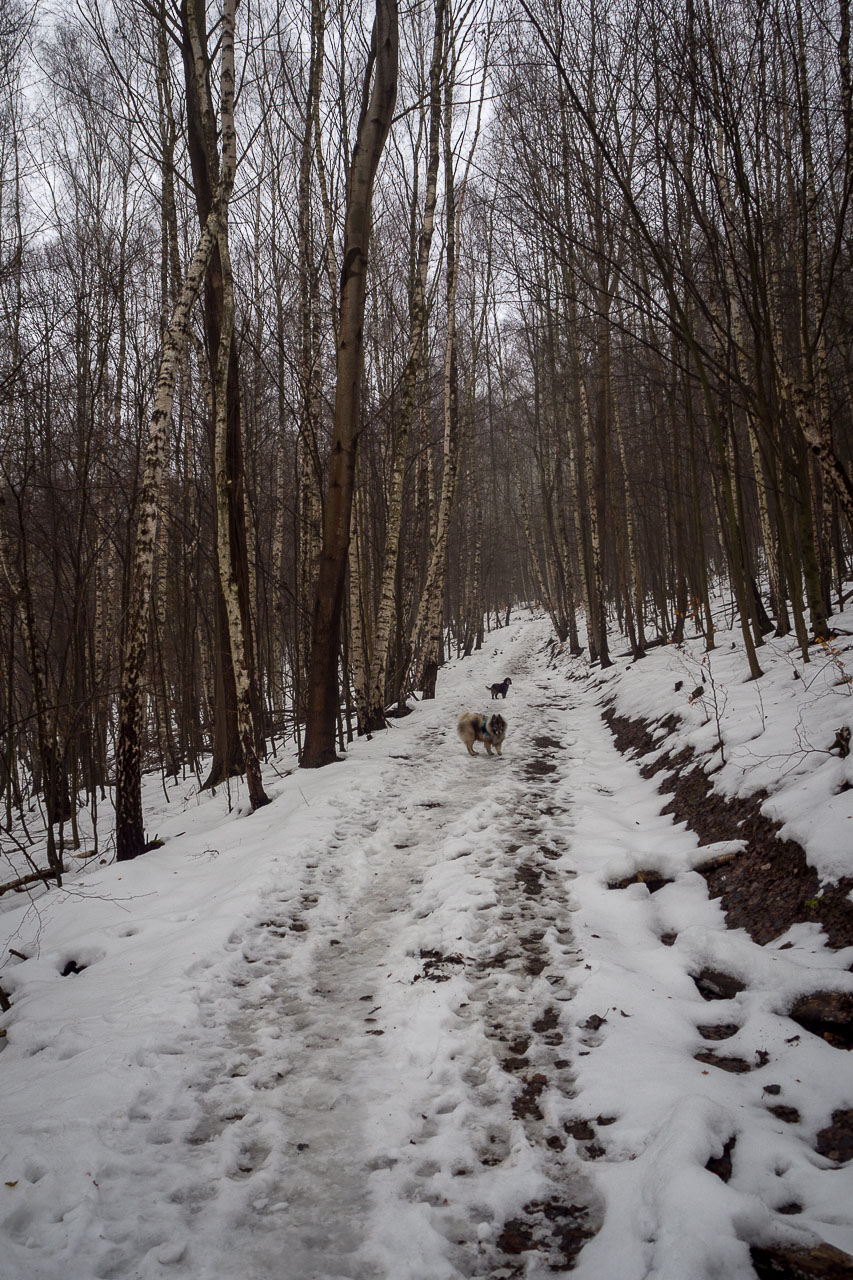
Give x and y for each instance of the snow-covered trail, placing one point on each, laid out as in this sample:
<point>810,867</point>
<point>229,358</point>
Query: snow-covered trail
<point>416,1020</point>
<point>377,1079</point>
<point>417,972</point>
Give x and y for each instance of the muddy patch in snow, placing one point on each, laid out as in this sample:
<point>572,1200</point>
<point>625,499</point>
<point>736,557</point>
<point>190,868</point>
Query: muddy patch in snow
<point>769,886</point>
<point>549,1227</point>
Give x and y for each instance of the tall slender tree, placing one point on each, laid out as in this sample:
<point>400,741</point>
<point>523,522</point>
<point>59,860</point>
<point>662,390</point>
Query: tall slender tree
<point>379,94</point>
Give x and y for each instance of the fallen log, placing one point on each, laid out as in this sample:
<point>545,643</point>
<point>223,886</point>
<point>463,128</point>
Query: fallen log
<point>22,881</point>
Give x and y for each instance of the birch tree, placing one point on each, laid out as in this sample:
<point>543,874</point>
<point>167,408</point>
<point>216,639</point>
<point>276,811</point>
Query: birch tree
<point>238,637</point>
<point>130,834</point>
<point>375,700</point>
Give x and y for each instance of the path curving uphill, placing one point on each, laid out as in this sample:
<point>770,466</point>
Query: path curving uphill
<point>380,1085</point>
<point>401,1021</point>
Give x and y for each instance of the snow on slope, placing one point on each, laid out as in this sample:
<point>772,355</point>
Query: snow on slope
<point>397,1026</point>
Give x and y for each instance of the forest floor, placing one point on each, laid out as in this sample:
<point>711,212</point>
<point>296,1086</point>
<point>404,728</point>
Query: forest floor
<point>770,884</point>
<point>428,1017</point>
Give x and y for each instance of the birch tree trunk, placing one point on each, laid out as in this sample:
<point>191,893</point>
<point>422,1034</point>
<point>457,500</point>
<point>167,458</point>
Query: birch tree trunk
<point>375,701</point>
<point>202,146</point>
<point>429,620</point>
<point>239,638</point>
<point>130,834</point>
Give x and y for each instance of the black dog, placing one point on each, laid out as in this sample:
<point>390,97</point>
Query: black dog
<point>501,688</point>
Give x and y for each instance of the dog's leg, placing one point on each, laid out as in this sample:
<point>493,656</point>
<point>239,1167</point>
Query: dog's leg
<point>498,748</point>
<point>471,751</point>
<point>488,745</point>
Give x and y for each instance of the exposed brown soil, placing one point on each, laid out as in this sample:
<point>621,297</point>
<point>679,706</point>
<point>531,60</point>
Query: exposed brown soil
<point>836,1140</point>
<point>769,886</point>
<point>822,1262</point>
<point>718,1030</point>
<point>547,1022</point>
<point>764,889</point>
<point>651,879</point>
<point>828,1014</point>
<point>437,967</point>
<point>789,1115</point>
<point>555,1229</point>
<point>712,984</point>
<point>722,1165</point>
<point>738,1066</point>
<point>530,879</point>
<point>539,768</point>
<point>525,1105</point>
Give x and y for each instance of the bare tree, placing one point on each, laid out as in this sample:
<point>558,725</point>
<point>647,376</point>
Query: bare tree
<point>130,836</point>
<point>378,97</point>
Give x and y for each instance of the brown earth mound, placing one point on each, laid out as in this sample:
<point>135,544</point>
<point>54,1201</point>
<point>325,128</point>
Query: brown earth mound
<point>769,886</point>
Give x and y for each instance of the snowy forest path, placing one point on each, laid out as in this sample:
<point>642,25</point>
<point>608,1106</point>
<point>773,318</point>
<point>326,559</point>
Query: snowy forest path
<point>385,1089</point>
<point>428,1016</point>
